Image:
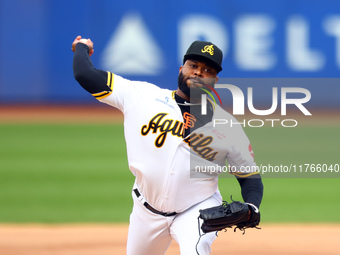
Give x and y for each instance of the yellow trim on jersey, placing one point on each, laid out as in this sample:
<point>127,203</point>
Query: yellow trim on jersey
<point>110,77</point>
<point>101,95</point>
<point>173,94</point>
<point>109,83</point>
<point>243,175</point>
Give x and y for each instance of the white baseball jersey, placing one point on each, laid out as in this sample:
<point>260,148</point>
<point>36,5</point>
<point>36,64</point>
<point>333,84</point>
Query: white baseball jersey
<point>162,160</point>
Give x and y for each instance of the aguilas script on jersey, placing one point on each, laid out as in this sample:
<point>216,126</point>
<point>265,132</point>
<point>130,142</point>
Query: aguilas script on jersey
<point>198,142</point>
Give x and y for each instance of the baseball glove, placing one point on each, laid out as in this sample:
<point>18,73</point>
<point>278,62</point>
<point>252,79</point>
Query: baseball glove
<point>236,214</point>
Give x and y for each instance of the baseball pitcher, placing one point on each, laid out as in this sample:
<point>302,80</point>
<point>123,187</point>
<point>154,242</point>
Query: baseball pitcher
<point>167,137</point>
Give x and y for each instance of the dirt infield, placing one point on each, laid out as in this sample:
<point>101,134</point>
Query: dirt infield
<point>111,239</point>
<point>59,114</point>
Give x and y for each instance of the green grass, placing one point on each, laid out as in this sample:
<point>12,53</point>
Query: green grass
<point>64,173</point>
<point>79,173</point>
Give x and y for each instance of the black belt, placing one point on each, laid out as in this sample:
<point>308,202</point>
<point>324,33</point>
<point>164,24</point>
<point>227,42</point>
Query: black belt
<point>150,208</point>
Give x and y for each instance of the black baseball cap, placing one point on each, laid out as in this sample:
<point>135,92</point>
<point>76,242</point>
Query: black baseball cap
<point>207,51</point>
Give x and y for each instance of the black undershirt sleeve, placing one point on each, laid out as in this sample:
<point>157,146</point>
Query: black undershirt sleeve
<point>252,189</point>
<point>91,79</point>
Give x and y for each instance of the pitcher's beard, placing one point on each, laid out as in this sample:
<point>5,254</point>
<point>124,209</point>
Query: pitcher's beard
<point>194,93</point>
<point>182,84</point>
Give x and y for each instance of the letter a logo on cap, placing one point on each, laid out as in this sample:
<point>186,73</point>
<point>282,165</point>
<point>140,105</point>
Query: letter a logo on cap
<point>209,49</point>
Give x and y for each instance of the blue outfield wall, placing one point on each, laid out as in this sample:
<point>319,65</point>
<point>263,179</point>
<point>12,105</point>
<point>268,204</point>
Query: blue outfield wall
<point>145,40</point>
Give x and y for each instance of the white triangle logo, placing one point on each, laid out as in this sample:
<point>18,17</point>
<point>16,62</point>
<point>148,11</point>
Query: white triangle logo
<point>131,50</point>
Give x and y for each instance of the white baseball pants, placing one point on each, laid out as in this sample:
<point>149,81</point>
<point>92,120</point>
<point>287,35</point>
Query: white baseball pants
<point>151,234</point>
